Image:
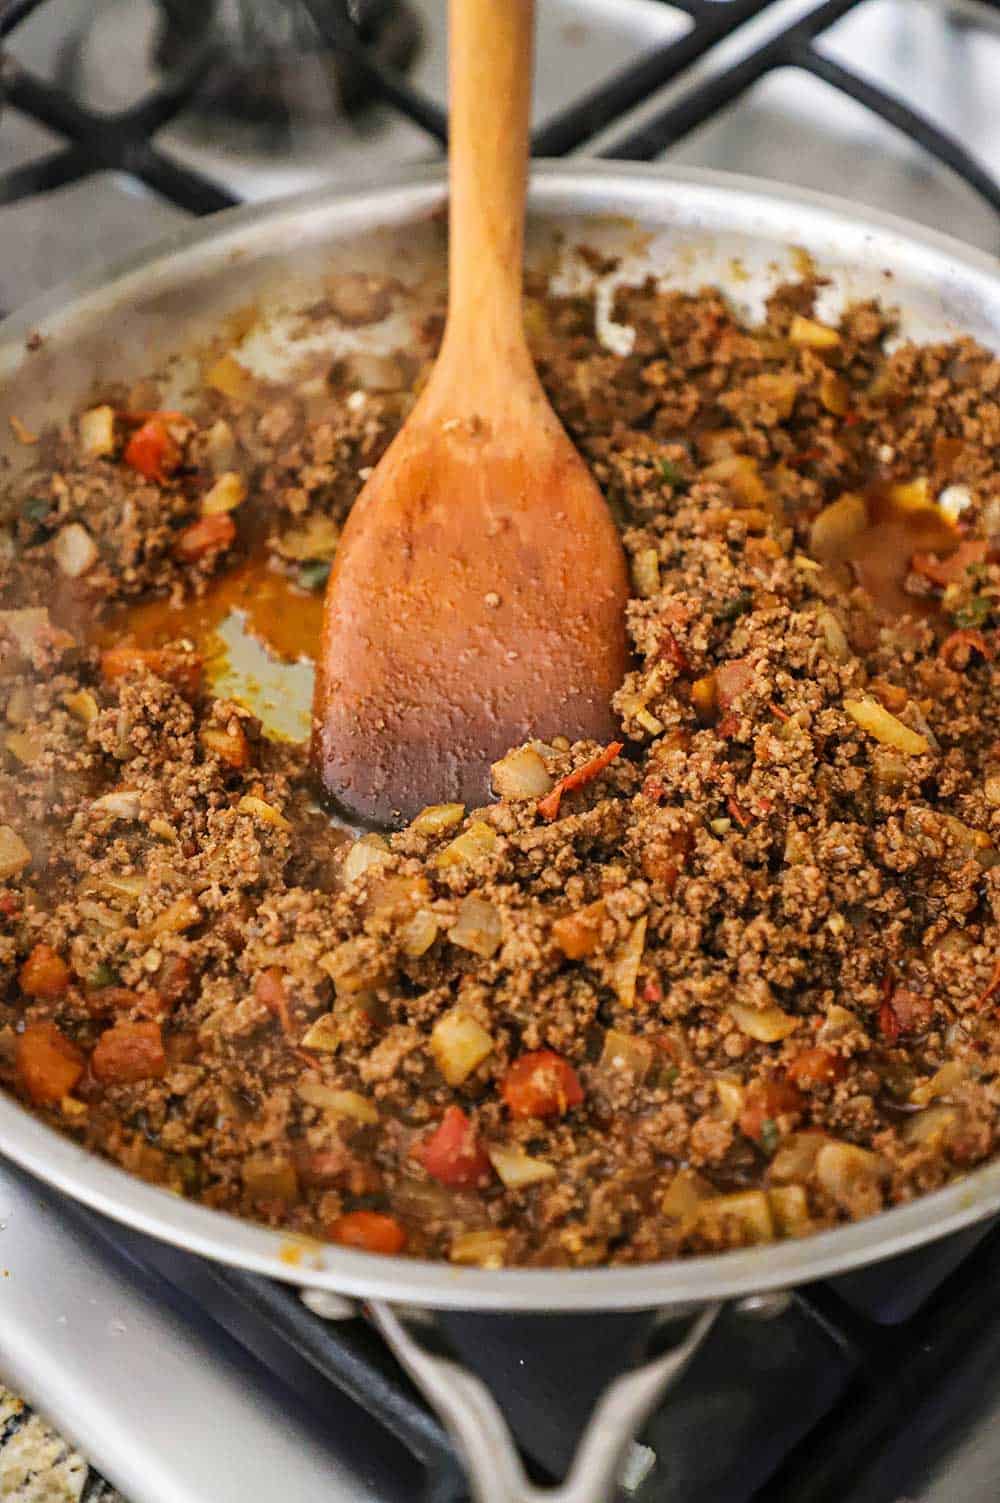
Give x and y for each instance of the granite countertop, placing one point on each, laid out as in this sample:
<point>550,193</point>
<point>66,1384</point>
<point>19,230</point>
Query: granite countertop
<point>36,1466</point>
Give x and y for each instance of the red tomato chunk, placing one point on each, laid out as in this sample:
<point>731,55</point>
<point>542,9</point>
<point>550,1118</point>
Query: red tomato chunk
<point>541,1084</point>
<point>453,1153</point>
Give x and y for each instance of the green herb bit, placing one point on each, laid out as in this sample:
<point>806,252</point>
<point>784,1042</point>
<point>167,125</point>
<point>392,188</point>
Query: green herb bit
<point>670,1075</point>
<point>101,976</point>
<point>314,575</point>
<point>36,509</point>
<point>735,606</point>
<point>769,1136</point>
<point>975,612</point>
<point>672,475</point>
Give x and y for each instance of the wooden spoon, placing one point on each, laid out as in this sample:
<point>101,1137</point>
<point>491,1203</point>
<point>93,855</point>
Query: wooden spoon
<point>478,594</point>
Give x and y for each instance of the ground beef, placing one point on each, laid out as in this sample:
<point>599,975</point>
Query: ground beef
<point>736,980</point>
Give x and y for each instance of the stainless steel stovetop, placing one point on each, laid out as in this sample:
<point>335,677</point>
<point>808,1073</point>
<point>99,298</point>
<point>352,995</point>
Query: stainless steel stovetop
<point>166,1383</point>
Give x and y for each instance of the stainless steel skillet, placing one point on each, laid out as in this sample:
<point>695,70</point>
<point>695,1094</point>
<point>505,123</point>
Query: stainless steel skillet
<point>690,228</point>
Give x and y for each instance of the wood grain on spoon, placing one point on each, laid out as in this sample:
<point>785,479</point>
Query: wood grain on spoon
<point>478,594</point>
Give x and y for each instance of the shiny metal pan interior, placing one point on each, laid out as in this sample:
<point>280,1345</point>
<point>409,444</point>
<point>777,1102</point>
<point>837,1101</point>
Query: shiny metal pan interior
<point>689,229</point>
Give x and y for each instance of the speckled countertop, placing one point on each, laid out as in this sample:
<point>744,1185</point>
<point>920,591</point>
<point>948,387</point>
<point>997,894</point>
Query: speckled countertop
<point>36,1466</point>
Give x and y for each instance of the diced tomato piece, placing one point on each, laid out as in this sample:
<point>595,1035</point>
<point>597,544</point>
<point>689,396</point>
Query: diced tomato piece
<point>47,1064</point>
<point>453,1153</point>
<point>815,1067</point>
<point>270,993</point>
<point>992,987</point>
<point>766,1100</point>
<point>152,450</point>
<point>742,818</point>
<point>888,1023</point>
<point>548,807</point>
<point>182,669</point>
<point>958,647</point>
<point>541,1084</point>
<point>731,680</point>
<point>913,1012</point>
<point>10,904</point>
<point>579,934</point>
<point>44,974</point>
<point>945,571</point>
<point>205,536</point>
<point>174,980</point>
<point>129,1052</point>
<point>674,653</point>
<point>369,1231</point>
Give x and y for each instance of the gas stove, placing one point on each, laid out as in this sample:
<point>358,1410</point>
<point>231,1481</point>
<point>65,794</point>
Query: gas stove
<point>185,1382</point>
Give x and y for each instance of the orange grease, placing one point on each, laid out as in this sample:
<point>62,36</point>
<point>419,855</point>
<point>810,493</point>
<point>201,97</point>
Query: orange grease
<point>286,619</point>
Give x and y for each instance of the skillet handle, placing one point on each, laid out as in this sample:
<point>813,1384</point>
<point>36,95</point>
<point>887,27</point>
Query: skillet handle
<point>475,1421</point>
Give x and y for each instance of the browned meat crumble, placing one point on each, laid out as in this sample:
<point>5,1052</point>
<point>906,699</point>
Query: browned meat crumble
<point>740,983</point>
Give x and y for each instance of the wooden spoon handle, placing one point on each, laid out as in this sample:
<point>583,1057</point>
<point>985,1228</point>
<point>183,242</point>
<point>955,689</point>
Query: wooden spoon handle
<point>490,64</point>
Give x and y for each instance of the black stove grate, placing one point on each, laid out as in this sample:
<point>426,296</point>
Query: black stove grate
<point>123,141</point>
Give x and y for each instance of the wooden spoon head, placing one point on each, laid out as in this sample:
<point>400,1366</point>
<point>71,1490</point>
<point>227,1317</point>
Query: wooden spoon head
<point>477,601</point>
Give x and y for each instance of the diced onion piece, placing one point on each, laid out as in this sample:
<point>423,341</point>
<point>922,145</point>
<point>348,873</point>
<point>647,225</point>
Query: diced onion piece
<point>269,1178</point>
<point>911,495</point>
<point>626,1054</point>
<point>479,839</point>
<point>220,446</point>
<point>768,1025</point>
<point>74,549</point>
<point>128,887</point>
<point>228,743</point>
<point>123,803</point>
<point>684,1195</point>
<point>739,472</point>
<point>477,927</point>
<point>834,635</point>
<point>518,1169</point>
<point>352,967</point>
<point>834,393</point>
<point>877,721</point>
<point>732,1097</point>
<point>836,526</point>
<point>82,706</point>
<point>459,1045</point>
<point>14,854</point>
<point>323,1036</point>
<point>370,850</point>
<point>646,573</point>
<point>230,377</point>
<point>843,1168</point>
<point>931,1125</point>
<point>625,967</point>
<point>27,746</point>
<point>954,500</point>
<point>521,774</point>
<point>26,626</point>
<point>228,492</point>
<point>182,914</point>
<point>266,813</point>
<point>338,1103</point>
<point>704,696</point>
<point>579,934</point>
<point>836,1023</point>
<point>947,1079</point>
<point>437,818</point>
<point>778,390</point>
<point>790,1210</point>
<point>750,1209</point>
<point>19,705</point>
<point>481,1249</point>
<point>809,334</point>
<point>418,934</point>
<point>96,429</point>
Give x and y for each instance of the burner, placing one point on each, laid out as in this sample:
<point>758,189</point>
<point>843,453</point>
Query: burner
<point>274,69</point>
<point>267,74</point>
